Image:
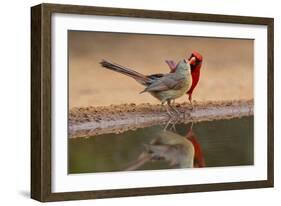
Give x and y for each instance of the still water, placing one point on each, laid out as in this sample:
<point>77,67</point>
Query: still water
<point>220,143</point>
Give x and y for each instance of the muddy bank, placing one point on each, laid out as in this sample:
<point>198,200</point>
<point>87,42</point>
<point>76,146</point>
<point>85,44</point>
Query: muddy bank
<point>88,121</point>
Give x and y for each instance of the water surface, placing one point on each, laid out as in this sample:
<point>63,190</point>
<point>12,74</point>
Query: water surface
<point>223,143</point>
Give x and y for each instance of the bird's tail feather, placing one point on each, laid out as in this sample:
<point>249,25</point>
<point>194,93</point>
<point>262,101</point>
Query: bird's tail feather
<point>142,79</point>
<point>143,158</point>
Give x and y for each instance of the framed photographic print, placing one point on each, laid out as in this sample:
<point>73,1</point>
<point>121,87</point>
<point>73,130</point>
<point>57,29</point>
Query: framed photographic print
<point>132,102</point>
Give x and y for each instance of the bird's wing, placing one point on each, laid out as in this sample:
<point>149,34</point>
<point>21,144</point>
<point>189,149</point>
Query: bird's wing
<point>167,82</point>
<point>172,65</point>
<point>155,76</point>
<point>171,153</point>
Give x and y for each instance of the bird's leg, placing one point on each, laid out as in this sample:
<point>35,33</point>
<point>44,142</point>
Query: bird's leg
<point>170,122</point>
<point>192,107</point>
<point>190,133</point>
<point>191,126</point>
<point>174,124</point>
<point>190,101</point>
<point>167,110</point>
<point>174,109</point>
<point>167,125</point>
<point>174,127</point>
<point>171,117</point>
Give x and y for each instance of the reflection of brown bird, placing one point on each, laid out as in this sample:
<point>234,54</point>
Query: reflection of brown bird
<point>184,152</point>
<point>169,146</point>
<point>165,88</point>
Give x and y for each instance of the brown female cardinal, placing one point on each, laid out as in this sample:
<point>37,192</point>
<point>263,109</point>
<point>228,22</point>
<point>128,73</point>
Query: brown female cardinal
<point>164,87</point>
<point>195,71</point>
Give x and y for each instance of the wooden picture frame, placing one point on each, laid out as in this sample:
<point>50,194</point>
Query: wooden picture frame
<point>41,98</point>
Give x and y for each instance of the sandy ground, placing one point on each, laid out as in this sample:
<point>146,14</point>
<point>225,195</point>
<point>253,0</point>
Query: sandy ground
<point>227,71</point>
<point>114,112</point>
<point>87,121</point>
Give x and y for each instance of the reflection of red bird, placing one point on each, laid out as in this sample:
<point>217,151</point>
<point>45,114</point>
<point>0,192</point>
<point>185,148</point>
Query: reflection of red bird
<point>199,160</point>
<point>195,71</point>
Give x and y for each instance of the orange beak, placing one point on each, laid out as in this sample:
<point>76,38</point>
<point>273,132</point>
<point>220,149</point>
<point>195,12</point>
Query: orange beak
<point>192,61</point>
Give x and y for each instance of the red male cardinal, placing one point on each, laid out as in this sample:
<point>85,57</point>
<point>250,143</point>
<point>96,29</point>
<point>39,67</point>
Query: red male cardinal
<point>195,71</point>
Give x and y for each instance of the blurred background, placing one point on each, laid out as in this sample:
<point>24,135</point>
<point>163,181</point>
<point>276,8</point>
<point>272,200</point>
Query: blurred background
<point>226,73</point>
